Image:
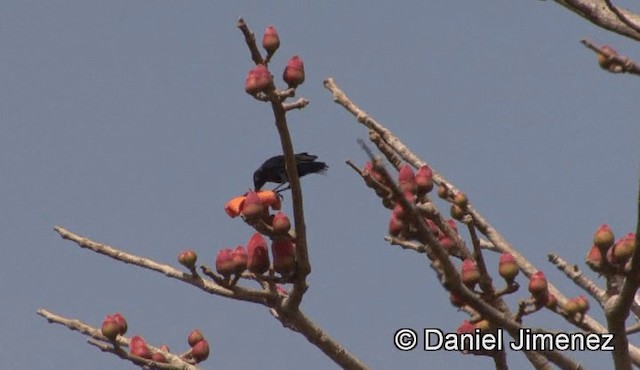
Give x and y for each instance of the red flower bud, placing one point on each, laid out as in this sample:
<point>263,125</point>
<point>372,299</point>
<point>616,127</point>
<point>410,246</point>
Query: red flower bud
<point>507,267</point>
<point>194,337</point>
<point>252,208</point>
<point>294,72</point>
<point>280,223</point>
<point>594,258</point>
<point>122,323</point>
<point>239,260</point>
<point>200,351</point>
<point>603,237</point>
<point>158,357</point>
<point>470,273</point>
<point>270,40</point>
<point>424,180</point>
<point>466,327</point>
<point>583,304</point>
<point>623,248</point>
<point>453,224</point>
<point>110,328</point>
<point>258,256</point>
<point>395,226</point>
<point>138,347</point>
<point>538,284</point>
<point>446,242</point>
<point>188,259</point>
<point>284,257</point>
<point>224,262</point>
<point>407,180</point>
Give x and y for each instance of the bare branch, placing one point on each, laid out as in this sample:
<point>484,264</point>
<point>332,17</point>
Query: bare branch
<point>613,62</point>
<point>104,344</point>
<point>239,293</point>
<point>596,13</point>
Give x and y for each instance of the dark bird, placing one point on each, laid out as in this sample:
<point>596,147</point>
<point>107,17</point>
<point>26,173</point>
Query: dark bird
<point>273,169</point>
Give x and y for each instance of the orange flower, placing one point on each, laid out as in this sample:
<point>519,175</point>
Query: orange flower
<point>267,197</point>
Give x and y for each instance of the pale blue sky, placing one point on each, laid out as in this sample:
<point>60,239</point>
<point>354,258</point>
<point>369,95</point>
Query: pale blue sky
<point>127,121</point>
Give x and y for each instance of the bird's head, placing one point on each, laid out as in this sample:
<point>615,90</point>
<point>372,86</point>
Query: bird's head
<point>258,180</point>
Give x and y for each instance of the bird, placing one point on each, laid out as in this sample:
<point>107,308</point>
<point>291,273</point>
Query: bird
<point>273,170</point>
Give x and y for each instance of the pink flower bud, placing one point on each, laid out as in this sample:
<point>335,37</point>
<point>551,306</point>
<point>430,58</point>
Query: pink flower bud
<point>122,323</point>
<point>294,72</point>
<point>424,180</point>
<point>200,351</point>
<point>623,248</point>
<point>603,237</point>
<point>407,179</point>
<point>258,256</point>
<point>252,209</point>
<point>194,337</point>
<point>188,259</point>
<point>239,260</point>
<point>284,257</point>
<point>138,347</point>
<point>395,226</point>
<point>538,284</point>
<point>270,40</point>
<point>224,262</point>
<point>466,327</point>
<point>594,258</point>
<point>281,224</point>
<point>110,328</point>
<point>507,267</point>
<point>470,273</point>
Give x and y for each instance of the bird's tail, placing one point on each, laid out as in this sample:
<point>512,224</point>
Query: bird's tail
<point>312,167</point>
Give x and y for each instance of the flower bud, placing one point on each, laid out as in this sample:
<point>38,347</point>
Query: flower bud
<point>395,226</point>
<point>538,284</point>
<point>623,248</point>
<point>457,213</point>
<point>252,209</point>
<point>466,327</point>
<point>138,347</point>
<point>270,40</point>
<point>264,80</point>
<point>407,180</point>
<point>269,198</point>
<point>507,267</point>
<point>284,257</point>
<point>453,224</point>
<point>572,306</point>
<point>110,328</point>
<point>239,260</point>
<point>424,180</point>
<point>258,256</point>
<point>194,337</point>
<point>158,357</point>
<point>200,351</point>
<point>594,258</point>
<point>280,223</point>
<point>224,262</point>
<point>603,59</point>
<point>583,304</point>
<point>483,325</point>
<point>446,242</point>
<point>122,323</point>
<point>603,237</point>
<point>294,72</point>
<point>443,191</point>
<point>188,259</point>
<point>470,273</point>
